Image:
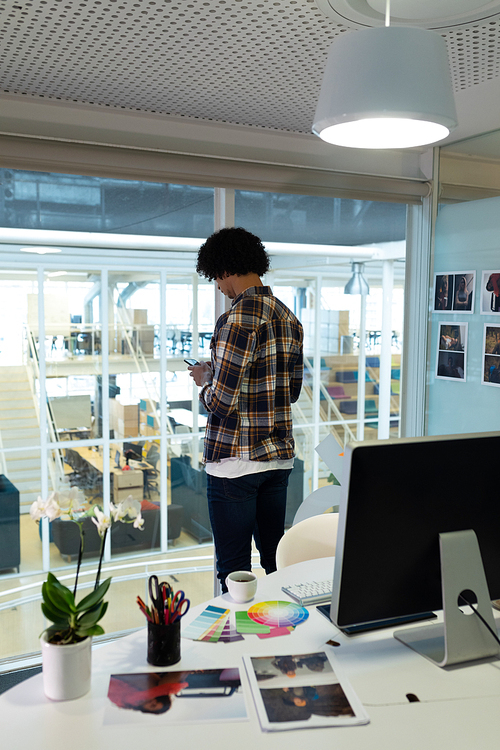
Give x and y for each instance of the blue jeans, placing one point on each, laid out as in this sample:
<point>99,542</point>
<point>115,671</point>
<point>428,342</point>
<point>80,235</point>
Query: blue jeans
<point>252,505</point>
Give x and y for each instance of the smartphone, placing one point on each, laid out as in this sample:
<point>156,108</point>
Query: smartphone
<point>191,362</point>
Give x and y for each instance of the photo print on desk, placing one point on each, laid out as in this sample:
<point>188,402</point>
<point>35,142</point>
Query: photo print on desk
<point>491,355</point>
<point>452,351</point>
<point>295,691</point>
<point>454,292</point>
<point>182,697</point>
<point>490,293</point>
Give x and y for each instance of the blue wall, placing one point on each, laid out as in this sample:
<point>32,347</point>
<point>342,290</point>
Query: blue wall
<point>467,239</point>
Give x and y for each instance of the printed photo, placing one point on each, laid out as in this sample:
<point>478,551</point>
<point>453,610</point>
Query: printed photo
<point>463,296</point>
<point>303,703</point>
<point>450,366</point>
<point>491,365</point>
<point>443,292</point>
<point>271,669</point>
<point>452,337</point>
<point>452,349</point>
<point>293,691</point>
<point>180,697</point>
<point>490,293</point>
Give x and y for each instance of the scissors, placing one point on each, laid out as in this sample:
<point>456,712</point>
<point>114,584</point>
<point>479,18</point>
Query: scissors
<point>159,592</point>
<point>174,609</point>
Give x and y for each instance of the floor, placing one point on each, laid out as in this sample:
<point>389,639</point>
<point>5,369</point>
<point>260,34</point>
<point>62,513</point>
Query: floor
<point>9,679</point>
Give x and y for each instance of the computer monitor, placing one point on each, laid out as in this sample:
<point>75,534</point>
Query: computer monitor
<point>132,451</point>
<point>398,497</point>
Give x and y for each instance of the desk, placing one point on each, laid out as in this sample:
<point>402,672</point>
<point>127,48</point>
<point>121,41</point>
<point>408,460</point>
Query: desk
<point>458,708</point>
<point>79,433</point>
<point>125,483</point>
<point>185,417</point>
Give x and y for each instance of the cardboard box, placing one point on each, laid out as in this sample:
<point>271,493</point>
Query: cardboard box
<point>139,317</point>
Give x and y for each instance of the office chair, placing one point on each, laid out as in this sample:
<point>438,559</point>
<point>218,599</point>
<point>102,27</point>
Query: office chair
<point>309,539</point>
<point>151,475</point>
<point>81,468</point>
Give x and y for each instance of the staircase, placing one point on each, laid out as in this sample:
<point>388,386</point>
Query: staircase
<point>19,428</point>
<point>302,412</point>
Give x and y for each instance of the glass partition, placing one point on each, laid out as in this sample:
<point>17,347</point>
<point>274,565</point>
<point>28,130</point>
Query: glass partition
<point>108,407</point>
<point>352,343</point>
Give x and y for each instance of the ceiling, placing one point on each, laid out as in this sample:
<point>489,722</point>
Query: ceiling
<point>256,63</point>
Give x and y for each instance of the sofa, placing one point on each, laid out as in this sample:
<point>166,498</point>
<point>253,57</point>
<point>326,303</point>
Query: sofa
<point>10,540</point>
<point>189,490</point>
<point>124,538</point>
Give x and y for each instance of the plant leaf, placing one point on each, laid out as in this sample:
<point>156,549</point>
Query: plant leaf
<point>95,630</point>
<point>48,601</point>
<point>54,596</point>
<point>95,597</point>
<point>58,618</point>
<point>92,616</point>
<point>63,591</point>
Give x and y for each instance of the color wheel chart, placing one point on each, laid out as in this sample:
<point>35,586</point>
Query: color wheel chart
<point>266,620</point>
<point>278,614</point>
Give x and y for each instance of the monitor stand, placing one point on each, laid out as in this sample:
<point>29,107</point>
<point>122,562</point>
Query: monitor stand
<point>461,637</point>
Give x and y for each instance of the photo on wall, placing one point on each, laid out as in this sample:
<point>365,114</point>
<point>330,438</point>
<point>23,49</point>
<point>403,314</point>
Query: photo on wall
<point>490,293</point>
<point>452,351</point>
<point>463,295</point>
<point>443,292</point>
<point>491,349</point>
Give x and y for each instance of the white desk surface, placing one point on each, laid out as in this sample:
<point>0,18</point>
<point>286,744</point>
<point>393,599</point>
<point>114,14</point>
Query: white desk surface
<point>185,417</point>
<point>459,708</point>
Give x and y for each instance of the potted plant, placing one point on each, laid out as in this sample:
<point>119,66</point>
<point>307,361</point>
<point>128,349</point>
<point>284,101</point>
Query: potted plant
<point>67,642</point>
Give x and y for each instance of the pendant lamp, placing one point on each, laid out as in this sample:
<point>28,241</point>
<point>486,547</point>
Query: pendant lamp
<point>357,284</point>
<point>386,87</point>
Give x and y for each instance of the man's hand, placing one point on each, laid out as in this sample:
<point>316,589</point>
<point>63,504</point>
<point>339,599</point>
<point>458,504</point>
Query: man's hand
<point>201,373</point>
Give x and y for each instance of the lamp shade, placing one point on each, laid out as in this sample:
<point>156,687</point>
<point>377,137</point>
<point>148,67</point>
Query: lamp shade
<point>357,284</point>
<point>386,87</point>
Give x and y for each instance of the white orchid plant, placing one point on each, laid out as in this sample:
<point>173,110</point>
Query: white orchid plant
<point>71,621</point>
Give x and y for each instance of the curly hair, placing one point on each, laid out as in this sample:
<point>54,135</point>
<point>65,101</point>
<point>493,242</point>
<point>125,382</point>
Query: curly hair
<point>232,251</point>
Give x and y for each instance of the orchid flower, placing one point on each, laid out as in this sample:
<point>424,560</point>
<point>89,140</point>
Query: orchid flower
<point>52,508</point>
<point>37,509</point>
<point>139,522</point>
<point>129,507</point>
<point>101,520</point>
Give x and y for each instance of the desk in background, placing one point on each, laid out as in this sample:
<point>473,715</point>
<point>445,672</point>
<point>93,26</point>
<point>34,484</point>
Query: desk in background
<point>457,708</point>
<point>185,417</point>
<point>124,483</point>
<point>77,433</point>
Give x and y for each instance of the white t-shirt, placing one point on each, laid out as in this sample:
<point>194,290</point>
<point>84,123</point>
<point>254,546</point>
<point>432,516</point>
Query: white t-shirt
<point>232,468</point>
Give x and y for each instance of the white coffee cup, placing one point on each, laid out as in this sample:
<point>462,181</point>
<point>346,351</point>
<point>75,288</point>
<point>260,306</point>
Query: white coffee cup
<point>242,585</point>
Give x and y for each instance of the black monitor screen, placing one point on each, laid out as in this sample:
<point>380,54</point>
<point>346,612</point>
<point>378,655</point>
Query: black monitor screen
<point>398,496</point>
<point>133,451</point>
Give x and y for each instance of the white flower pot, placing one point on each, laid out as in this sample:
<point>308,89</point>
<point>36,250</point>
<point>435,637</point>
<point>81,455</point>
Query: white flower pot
<point>66,669</point>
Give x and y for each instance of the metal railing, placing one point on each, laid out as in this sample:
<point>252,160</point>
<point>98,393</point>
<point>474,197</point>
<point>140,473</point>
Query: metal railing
<point>126,329</point>
<point>56,467</point>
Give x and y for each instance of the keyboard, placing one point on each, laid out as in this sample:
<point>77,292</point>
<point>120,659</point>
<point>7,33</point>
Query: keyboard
<point>312,592</point>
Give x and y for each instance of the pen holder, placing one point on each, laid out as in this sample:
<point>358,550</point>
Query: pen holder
<point>164,643</point>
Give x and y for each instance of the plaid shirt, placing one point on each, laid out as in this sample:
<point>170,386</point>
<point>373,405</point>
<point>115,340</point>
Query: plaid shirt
<point>257,374</point>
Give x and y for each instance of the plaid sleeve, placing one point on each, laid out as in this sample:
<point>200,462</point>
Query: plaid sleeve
<point>297,377</point>
<point>233,353</point>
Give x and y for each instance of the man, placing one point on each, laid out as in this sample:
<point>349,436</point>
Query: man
<point>254,376</point>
